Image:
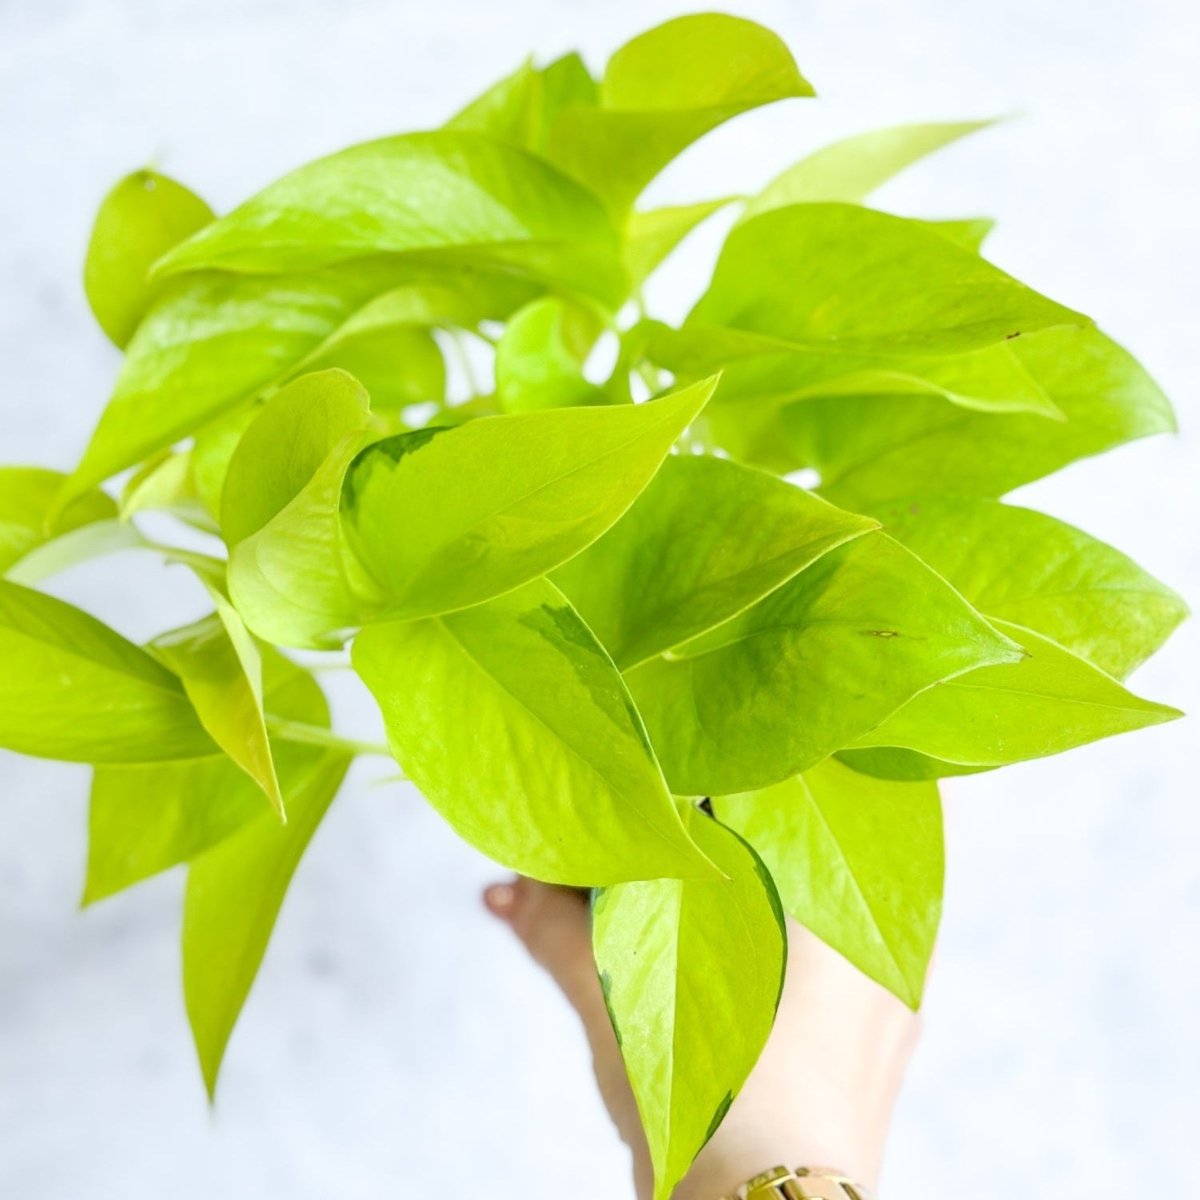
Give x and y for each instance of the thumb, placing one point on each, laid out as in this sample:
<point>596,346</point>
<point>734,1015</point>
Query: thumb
<point>554,926</point>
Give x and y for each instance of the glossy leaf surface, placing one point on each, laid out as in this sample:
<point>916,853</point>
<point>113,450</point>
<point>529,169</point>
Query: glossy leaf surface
<point>448,196</point>
<point>146,818</point>
<point>1047,702</point>
<point>543,486</point>
<point>850,170</point>
<point>663,90</point>
<point>221,669</point>
<point>27,495</point>
<point>234,894</point>
<point>285,446</point>
<point>73,689</point>
<point>295,581</point>
<point>857,860</point>
<point>145,215</point>
<point>540,357</point>
<point>1035,571</point>
<point>692,973</point>
<point>818,663</point>
<point>871,450</point>
<point>516,726</point>
<point>706,540</point>
<point>846,278</point>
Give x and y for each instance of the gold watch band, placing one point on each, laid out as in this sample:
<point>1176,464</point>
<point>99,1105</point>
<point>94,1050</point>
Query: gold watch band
<point>803,1183</point>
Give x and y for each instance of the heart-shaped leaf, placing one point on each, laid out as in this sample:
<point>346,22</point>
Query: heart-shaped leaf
<point>447,196</point>
<point>849,279</point>
<point>706,540</point>
<point>543,486</point>
<point>665,89</point>
<point>73,689</point>
<point>1047,702</point>
<point>143,819</point>
<point>516,726</point>
<point>692,972</point>
<point>234,893</point>
<point>816,664</point>
<point>870,450</point>
<point>221,669</point>
<point>27,496</point>
<point>857,860</point>
<point>145,215</point>
<point>1029,569</point>
<point>850,170</point>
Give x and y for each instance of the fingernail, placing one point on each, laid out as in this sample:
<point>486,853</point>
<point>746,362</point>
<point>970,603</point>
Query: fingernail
<point>500,898</point>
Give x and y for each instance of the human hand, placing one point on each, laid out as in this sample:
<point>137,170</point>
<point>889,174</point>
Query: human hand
<point>822,1092</point>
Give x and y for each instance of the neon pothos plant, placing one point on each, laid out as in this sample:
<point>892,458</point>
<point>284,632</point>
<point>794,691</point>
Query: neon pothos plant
<point>615,643</point>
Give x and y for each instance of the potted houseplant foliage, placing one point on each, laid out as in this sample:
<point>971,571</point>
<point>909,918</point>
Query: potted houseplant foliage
<point>615,643</point>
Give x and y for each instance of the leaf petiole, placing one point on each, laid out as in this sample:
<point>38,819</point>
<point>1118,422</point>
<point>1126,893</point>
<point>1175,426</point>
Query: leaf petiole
<point>315,735</point>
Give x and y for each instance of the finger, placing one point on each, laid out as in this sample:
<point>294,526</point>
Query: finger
<point>553,925</point>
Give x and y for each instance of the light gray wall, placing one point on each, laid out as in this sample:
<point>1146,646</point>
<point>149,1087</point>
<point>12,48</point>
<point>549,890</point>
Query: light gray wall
<point>395,1032</point>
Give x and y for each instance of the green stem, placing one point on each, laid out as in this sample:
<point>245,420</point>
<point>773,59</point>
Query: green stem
<point>320,667</point>
<point>315,735</point>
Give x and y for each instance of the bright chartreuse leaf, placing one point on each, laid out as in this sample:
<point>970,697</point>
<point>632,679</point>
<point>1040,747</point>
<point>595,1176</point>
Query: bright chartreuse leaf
<point>872,450</point>
<point>851,280</point>
<point>399,367</point>
<point>76,546</point>
<point>540,357</point>
<point>542,486</point>
<point>447,196</point>
<point>1047,702</point>
<point>209,343</point>
<point>692,973</point>
<point>74,689</point>
<point>515,725</point>
<point>285,445</point>
<point>221,669</point>
<point>650,236</point>
<point>816,664</point>
<point>145,215</point>
<point>215,340</point>
<point>1029,569</point>
<point>857,860</point>
<point>27,496</point>
<point>296,581</point>
<point>763,376</point>
<point>851,169</point>
<point>389,347</point>
<point>969,232</point>
<point>212,450</point>
<point>704,541</point>
<point>146,818</point>
<point>164,483</point>
<point>662,91</point>
<point>522,107</point>
<point>234,894</point>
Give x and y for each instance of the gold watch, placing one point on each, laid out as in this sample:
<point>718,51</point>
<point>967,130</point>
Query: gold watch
<point>803,1183</point>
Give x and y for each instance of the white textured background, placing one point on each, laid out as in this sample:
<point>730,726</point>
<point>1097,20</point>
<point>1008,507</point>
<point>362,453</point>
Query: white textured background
<point>394,1030</point>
